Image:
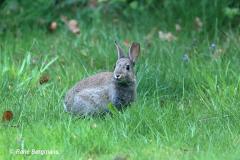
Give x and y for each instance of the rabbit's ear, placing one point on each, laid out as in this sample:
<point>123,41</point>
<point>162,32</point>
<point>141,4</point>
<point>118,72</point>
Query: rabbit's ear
<point>134,51</point>
<point>119,50</point>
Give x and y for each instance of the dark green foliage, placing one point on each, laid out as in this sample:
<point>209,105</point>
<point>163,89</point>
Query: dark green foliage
<point>215,13</point>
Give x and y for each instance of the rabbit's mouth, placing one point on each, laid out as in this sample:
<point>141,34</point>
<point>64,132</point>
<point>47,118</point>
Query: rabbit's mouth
<point>119,79</point>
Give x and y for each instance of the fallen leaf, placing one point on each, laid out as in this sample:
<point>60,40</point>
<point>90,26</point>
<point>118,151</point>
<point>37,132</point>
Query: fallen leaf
<point>52,26</point>
<point>7,116</point>
<point>126,43</point>
<point>44,79</point>
<point>15,126</point>
<point>166,36</point>
<point>198,24</point>
<point>72,24</point>
<point>218,53</point>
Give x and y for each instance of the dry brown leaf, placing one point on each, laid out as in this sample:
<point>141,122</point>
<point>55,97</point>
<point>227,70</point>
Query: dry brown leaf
<point>7,116</point>
<point>166,36</point>
<point>72,24</point>
<point>44,79</point>
<point>198,24</point>
<point>53,26</point>
<point>126,43</point>
<point>218,53</point>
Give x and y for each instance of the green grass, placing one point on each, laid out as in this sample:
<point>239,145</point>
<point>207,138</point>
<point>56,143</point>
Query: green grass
<point>185,110</point>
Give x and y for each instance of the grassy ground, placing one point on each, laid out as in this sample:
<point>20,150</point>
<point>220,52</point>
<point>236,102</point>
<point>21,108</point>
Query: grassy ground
<point>186,109</point>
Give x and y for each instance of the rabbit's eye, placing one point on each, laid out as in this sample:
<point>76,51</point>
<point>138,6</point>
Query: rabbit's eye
<point>128,67</point>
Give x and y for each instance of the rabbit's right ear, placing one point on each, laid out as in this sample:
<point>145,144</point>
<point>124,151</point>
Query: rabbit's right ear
<point>134,51</point>
<point>119,50</point>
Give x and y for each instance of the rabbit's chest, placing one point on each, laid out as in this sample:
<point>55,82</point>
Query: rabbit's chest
<point>123,97</point>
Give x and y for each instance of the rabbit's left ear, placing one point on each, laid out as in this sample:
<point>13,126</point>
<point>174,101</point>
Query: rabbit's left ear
<point>134,51</point>
<point>119,51</point>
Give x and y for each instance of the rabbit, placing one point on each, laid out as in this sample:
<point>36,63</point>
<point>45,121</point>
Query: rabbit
<point>91,96</point>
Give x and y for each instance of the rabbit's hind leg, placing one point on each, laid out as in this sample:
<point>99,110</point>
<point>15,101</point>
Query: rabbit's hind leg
<point>82,105</point>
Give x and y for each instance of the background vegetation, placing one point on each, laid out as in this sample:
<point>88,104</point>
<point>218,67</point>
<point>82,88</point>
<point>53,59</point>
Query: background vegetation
<point>188,78</point>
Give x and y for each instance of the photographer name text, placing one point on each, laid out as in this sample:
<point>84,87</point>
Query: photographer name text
<point>34,151</point>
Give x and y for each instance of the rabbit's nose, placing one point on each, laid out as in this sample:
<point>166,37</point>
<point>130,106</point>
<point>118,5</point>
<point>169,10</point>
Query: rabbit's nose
<point>117,76</point>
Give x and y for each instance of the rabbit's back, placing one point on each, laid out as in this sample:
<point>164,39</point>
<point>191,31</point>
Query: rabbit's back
<point>90,94</point>
<point>93,81</point>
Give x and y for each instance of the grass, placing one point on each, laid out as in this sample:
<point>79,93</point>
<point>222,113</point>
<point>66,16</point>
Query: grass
<point>185,110</point>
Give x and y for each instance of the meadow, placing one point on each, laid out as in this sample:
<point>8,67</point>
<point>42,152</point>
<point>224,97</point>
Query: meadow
<point>188,92</point>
